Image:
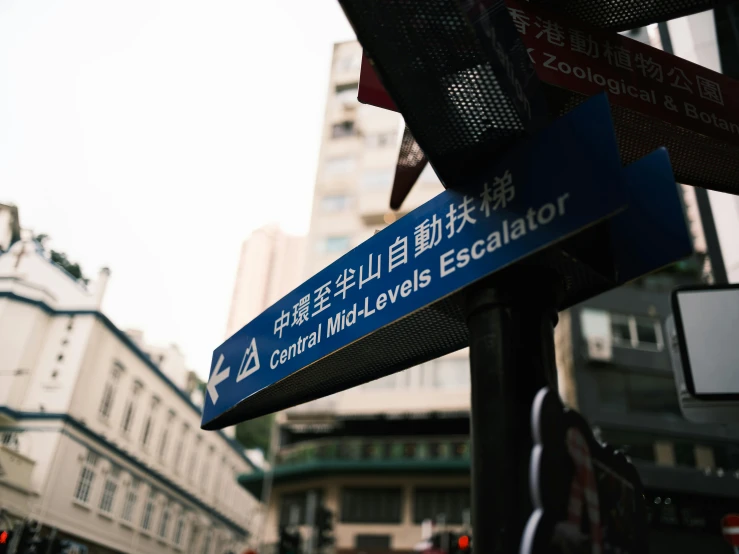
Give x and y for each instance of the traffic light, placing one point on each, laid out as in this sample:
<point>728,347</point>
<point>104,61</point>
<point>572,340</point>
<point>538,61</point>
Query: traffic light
<point>5,538</point>
<point>289,542</point>
<point>324,527</point>
<point>31,541</point>
<point>452,543</point>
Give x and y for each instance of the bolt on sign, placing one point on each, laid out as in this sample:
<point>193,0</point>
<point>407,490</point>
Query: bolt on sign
<point>658,99</point>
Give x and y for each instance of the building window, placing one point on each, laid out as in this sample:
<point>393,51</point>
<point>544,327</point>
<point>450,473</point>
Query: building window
<point>648,333</point>
<point>334,203</point>
<point>339,165</point>
<point>343,129</point>
<point>435,504</point>
<point>349,62</point>
<point>636,332</point>
<point>148,429</point>
<point>9,439</point>
<point>347,94</point>
<point>164,439</point>
<point>87,478</point>
<point>178,529</point>
<point>129,413</point>
<point>624,390</point>
<point>726,456</point>
<point>147,515</point>
<point>163,444</point>
<point>377,179</point>
<point>129,503</point>
<point>685,454</point>
<point>371,505</point>
<point>109,491</point>
<point>111,385</point>
<point>179,448</point>
<point>621,330</point>
<point>164,522</point>
<point>225,482</point>
<point>373,542</point>
<point>294,507</point>
<point>205,469</point>
<point>381,140</point>
<point>332,245</point>
<point>206,544</point>
<point>218,481</point>
<point>451,374</point>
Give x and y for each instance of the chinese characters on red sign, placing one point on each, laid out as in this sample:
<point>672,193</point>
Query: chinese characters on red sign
<point>635,75</point>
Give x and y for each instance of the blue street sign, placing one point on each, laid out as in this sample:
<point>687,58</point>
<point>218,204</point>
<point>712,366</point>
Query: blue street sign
<point>652,232</point>
<point>564,180</point>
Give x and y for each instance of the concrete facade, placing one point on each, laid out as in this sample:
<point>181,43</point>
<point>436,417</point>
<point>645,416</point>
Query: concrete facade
<point>110,449</point>
<point>270,266</point>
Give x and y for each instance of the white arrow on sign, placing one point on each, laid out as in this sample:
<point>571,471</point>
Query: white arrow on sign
<point>216,379</point>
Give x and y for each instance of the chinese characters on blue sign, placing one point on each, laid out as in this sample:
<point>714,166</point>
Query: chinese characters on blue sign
<point>565,180</point>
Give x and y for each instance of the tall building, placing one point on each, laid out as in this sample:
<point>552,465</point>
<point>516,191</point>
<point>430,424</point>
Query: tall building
<point>388,455</point>
<point>270,266</point>
<point>96,441</point>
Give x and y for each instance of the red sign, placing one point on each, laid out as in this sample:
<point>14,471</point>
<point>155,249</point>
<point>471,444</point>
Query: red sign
<point>371,90</point>
<point>730,529</point>
<point>635,75</point>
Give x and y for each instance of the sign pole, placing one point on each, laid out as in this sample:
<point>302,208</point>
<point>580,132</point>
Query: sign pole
<point>511,323</point>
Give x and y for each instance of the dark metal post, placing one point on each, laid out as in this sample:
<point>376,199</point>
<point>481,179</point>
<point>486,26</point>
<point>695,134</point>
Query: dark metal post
<point>511,322</point>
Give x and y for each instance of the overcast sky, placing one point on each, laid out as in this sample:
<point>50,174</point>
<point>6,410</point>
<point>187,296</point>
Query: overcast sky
<point>152,136</point>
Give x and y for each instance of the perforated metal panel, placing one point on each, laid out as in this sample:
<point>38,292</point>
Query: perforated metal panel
<point>696,159</point>
<point>621,15</point>
<point>448,88</point>
<point>411,162</point>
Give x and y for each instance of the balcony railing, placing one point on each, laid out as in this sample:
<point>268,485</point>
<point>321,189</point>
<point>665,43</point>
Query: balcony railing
<point>375,450</point>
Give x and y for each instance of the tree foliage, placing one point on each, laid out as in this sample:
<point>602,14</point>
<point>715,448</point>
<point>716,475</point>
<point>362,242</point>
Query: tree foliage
<point>61,259</point>
<point>256,433</point>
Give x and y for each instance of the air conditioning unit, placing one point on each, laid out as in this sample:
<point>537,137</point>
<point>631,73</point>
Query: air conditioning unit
<point>599,349</point>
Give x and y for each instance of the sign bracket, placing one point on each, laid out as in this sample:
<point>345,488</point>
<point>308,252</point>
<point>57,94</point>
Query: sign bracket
<point>511,319</point>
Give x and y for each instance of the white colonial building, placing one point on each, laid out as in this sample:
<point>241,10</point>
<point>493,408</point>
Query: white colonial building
<point>95,439</point>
